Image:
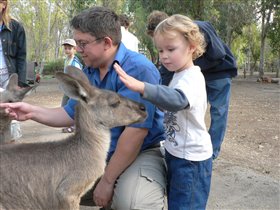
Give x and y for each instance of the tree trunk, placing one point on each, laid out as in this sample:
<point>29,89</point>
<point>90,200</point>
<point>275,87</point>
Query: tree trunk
<point>261,67</point>
<point>278,67</point>
<point>266,11</point>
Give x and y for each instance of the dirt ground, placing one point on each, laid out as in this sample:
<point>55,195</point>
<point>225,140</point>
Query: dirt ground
<point>246,174</point>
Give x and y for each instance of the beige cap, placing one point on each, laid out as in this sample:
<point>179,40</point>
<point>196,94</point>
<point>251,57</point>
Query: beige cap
<point>69,42</point>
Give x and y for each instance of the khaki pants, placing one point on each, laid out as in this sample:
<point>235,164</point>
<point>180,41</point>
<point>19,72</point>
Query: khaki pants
<point>141,186</point>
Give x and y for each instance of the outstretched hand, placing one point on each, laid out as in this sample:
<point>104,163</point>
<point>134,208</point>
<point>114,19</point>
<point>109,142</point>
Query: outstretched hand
<point>130,82</point>
<point>18,111</point>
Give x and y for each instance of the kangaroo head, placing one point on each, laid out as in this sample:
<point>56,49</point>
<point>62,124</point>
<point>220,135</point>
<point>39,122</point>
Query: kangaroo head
<point>13,93</point>
<point>108,108</point>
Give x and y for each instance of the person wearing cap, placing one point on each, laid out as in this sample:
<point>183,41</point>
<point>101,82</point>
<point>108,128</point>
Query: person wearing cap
<point>70,50</point>
<point>135,174</point>
<point>70,60</point>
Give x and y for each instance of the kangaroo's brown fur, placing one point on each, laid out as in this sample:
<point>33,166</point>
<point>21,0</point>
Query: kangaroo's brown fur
<point>54,175</point>
<point>12,93</point>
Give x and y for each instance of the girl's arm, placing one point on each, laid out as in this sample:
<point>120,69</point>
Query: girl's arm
<point>166,98</point>
<point>162,96</point>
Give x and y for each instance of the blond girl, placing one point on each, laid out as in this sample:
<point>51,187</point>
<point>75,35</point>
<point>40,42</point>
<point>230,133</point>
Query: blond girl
<point>188,148</point>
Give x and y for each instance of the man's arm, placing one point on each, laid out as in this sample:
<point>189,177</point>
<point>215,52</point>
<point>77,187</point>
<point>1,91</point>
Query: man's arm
<point>128,147</point>
<point>55,117</point>
<point>21,111</point>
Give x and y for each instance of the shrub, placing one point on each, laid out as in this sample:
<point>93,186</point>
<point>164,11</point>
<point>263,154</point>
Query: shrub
<point>53,66</point>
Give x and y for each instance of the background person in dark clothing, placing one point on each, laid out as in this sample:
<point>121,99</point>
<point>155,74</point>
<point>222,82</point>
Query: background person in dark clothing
<point>12,55</point>
<point>12,46</point>
<point>218,66</point>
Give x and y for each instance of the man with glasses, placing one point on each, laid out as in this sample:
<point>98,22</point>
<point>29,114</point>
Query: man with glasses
<point>135,174</point>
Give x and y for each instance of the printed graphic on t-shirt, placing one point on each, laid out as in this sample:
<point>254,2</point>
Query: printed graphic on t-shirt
<point>171,127</point>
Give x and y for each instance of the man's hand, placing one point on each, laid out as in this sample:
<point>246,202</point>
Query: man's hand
<point>18,111</point>
<point>103,193</point>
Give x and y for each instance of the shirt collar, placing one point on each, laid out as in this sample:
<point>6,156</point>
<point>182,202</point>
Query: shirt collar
<point>4,27</point>
<point>120,54</point>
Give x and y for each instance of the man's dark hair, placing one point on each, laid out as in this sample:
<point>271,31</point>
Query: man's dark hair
<point>124,20</point>
<point>154,18</point>
<point>99,22</point>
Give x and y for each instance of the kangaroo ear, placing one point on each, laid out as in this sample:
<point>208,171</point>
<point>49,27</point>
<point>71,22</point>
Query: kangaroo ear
<point>23,92</point>
<point>76,73</point>
<point>13,82</point>
<point>72,87</point>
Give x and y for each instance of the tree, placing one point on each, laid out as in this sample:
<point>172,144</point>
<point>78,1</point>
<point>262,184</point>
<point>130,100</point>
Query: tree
<point>274,36</point>
<point>232,17</point>
<point>246,47</point>
<point>267,8</point>
<point>243,25</point>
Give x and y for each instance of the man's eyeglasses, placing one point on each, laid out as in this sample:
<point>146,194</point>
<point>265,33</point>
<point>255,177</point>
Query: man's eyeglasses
<point>82,44</point>
<point>3,1</point>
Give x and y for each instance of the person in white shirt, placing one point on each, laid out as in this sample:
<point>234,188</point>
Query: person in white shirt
<point>128,39</point>
<point>188,148</point>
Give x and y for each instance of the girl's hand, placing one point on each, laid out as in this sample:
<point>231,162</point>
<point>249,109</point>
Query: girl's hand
<point>130,82</point>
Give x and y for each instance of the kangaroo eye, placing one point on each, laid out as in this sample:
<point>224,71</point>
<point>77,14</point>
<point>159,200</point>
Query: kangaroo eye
<point>115,104</point>
<point>114,101</point>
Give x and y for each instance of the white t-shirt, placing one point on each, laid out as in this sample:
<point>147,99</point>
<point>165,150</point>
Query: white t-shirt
<point>187,135</point>
<point>129,40</point>
<point>4,73</point>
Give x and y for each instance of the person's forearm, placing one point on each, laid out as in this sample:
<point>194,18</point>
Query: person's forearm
<point>55,117</point>
<point>165,97</point>
<point>127,150</point>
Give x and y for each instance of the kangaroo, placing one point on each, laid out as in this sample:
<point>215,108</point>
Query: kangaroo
<point>12,93</point>
<point>54,175</point>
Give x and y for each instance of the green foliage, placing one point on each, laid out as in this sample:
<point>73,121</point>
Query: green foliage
<point>233,15</point>
<point>80,5</point>
<point>237,22</point>
<point>246,46</point>
<point>52,67</point>
<point>274,32</point>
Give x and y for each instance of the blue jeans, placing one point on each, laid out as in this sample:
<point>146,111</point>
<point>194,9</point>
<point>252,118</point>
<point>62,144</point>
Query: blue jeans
<point>188,183</point>
<point>218,94</point>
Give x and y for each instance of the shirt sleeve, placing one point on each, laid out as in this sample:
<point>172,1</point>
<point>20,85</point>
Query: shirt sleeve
<point>21,53</point>
<point>76,64</point>
<point>70,107</point>
<point>165,97</point>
